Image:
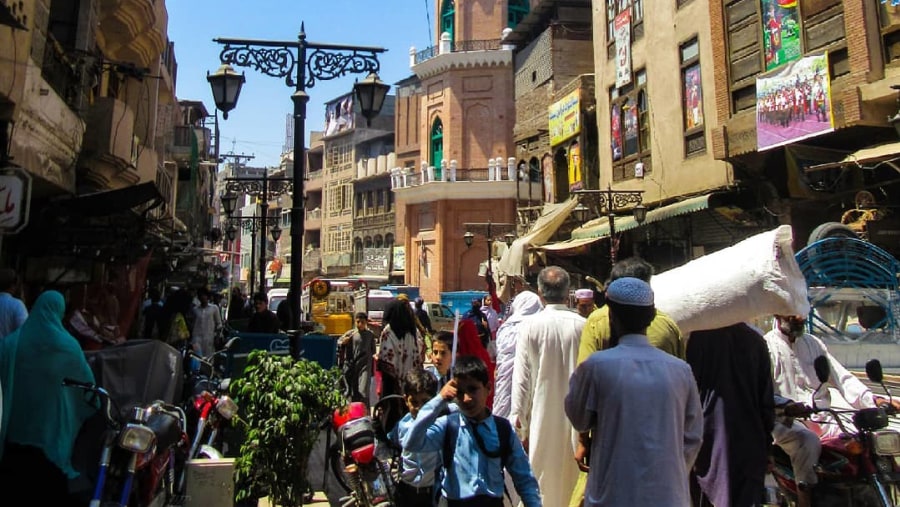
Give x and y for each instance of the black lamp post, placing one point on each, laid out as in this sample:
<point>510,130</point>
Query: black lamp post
<point>300,63</point>
<point>265,189</point>
<point>609,201</point>
<point>488,230</point>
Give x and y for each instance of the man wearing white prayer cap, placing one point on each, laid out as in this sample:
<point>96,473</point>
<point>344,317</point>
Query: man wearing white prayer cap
<point>584,302</point>
<point>641,407</point>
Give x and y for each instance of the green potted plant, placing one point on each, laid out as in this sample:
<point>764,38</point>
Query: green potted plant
<point>283,402</point>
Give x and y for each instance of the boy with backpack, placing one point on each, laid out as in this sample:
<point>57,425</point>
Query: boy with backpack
<point>476,446</point>
<point>418,469</point>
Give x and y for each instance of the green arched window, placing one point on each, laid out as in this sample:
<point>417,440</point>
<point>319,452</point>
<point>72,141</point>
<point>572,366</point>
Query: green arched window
<point>448,10</point>
<point>516,12</point>
<point>436,152</point>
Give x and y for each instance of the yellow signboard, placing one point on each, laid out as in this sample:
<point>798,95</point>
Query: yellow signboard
<point>565,118</point>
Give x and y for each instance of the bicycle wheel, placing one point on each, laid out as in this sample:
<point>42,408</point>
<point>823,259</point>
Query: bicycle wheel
<point>336,462</point>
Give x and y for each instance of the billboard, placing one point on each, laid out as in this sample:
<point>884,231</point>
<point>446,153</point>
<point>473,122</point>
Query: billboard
<point>565,118</point>
<point>339,115</point>
<point>793,103</point>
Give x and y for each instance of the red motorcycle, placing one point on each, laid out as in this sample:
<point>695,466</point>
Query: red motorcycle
<point>860,467</point>
<point>361,459</point>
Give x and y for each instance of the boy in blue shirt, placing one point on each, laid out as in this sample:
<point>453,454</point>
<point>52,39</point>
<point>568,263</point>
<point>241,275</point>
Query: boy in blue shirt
<point>473,476</point>
<point>417,471</point>
<point>441,349</point>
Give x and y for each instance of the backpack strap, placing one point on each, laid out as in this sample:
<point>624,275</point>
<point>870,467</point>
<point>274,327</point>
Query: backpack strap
<point>504,434</point>
<point>451,434</point>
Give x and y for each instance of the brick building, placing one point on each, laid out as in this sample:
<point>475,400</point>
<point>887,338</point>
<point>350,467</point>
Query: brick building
<point>813,178</point>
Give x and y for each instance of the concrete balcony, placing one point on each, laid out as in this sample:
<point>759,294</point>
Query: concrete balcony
<point>50,134</point>
<point>459,54</point>
<point>313,219</point>
<point>460,184</point>
<point>180,143</point>
<point>313,181</point>
<point>112,154</point>
<point>133,30</point>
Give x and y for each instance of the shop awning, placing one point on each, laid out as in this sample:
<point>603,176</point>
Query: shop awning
<point>879,153</point>
<point>568,244</point>
<point>114,201</point>
<point>625,223</point>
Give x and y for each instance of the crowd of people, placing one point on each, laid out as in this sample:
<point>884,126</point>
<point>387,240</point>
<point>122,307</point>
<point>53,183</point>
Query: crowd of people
<point>604,405</point>
<point>547,403</point>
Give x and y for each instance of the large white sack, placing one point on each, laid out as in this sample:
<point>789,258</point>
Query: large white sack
<point>756,277</point>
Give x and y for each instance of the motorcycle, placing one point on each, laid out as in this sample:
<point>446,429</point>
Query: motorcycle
<point>861,466</point>
<point>207,402</point>
<point>136,465</point>
<point>362,459</point>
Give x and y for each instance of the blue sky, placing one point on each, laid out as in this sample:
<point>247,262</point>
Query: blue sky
<point>257,125</point>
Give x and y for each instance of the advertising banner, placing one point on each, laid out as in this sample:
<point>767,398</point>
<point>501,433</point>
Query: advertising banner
<point>793,103</point>
<point>565,118</point>
<point>622,28</point>
<point>781,32</point>
<point>339,115</point>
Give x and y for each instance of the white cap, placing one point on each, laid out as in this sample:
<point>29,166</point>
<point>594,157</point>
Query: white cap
<point>584,294</point>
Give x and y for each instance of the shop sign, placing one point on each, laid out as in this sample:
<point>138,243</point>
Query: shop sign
<point>565,118</point>
<point>15,199</point>
<point>622,28</point>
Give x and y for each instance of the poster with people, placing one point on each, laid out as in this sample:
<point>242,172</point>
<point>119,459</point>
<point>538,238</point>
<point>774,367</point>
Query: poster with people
<point>693,98</point>
<point>339,115</point>
<point>781,32</point>
<point>794,102</point>
<point>576,182</point>
<point>615,128</point>
<point>631,128</point>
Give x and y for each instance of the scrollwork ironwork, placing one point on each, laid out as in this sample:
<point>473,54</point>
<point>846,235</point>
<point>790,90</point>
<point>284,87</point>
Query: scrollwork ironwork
<point>276,62</point>
<point>602,202</point>
<point>273,187</point>
<point>325,65</point>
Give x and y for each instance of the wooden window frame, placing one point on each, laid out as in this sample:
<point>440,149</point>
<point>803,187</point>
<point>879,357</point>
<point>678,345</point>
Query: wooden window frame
<point>623,168</point>
<point>694,137</point>
<point>637,22</point>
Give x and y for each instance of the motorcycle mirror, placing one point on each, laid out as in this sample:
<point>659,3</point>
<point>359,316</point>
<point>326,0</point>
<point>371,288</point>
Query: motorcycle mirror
<point>230,343</point>
<point>823,370</point>
<point>874,371</point>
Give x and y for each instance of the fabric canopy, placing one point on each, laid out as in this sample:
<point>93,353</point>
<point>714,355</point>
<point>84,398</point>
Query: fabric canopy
<point>552,217</point>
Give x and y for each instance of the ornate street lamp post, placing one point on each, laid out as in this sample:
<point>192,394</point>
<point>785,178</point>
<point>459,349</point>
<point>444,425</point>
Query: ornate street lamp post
<point>492,231</point>
<point>301,63</point>
<point>254,224</point>
<point>608,202</point>
<point>264,189</point>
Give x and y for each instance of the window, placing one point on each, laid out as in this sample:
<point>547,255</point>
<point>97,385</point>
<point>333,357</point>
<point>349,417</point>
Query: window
<point>616,7</point>
<point>360,205</point>
<point>338,239</point>
<point>437,146</point>
<point>692,98</point>
<point>517,10</point>
<point>390,201</point>
<point>285,218</point>
<point>448,11</point>
<point>630,126</point>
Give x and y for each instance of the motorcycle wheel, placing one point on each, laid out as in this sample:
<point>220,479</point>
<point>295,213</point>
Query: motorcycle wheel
<point>336,462</point>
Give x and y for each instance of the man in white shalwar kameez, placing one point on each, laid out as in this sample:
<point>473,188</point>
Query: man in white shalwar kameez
<point>546,355</point>
<point>642,408</point>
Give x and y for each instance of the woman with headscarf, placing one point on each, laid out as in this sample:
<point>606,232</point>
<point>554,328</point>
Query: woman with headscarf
<point>41,418</point>
<point>401,350</point>
<point>525,303</point>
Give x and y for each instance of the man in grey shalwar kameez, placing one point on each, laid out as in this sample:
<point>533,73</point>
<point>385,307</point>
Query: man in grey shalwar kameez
<point>642,408</point>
